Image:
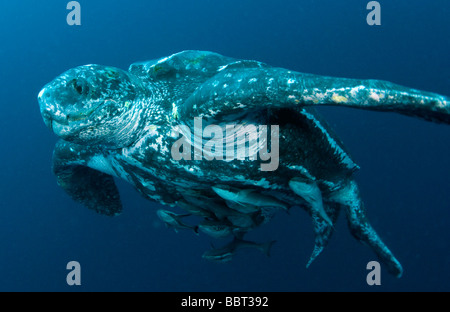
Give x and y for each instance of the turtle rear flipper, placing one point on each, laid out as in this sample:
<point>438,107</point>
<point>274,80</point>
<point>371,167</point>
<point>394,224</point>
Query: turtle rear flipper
<point>322,229</point>
<point>360,228</point>
<point>310,192</point>
<point>92,188</point>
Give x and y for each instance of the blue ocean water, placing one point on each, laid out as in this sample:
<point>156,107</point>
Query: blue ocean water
<point>405,162</point>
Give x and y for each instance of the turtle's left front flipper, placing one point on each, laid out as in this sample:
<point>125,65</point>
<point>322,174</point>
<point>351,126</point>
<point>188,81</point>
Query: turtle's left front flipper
<point>92,188</point>
<point>237,91</point>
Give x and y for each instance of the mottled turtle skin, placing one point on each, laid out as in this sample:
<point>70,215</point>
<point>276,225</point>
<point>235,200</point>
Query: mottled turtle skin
<point>116,123</point>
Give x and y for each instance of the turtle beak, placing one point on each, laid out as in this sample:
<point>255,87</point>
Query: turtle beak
<point>45,109</point>
<point>62,122</point>
<point>50,111</point>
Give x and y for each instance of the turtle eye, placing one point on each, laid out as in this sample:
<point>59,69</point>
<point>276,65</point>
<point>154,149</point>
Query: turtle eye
<point>80,86</point>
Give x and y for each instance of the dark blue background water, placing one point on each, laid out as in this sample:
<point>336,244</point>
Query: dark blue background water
<point>405,162</point>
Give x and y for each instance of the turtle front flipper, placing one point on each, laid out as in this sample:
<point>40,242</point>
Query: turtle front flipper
<point>237,91</point>
<point>376,95</point>
<point>92,188</point>
<point>360,228</point>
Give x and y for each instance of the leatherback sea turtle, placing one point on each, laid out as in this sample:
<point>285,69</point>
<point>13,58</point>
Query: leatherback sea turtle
<point>140,125</point>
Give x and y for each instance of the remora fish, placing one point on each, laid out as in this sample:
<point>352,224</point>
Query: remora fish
<point>226,253</point>
<point>250,200</point>
<point>215,229</point>
<point>173,220</point>
<point>195,210</point>
<point>221,211</point>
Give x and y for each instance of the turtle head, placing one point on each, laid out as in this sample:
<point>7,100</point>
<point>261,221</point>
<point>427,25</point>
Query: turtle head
<point>93,105</point>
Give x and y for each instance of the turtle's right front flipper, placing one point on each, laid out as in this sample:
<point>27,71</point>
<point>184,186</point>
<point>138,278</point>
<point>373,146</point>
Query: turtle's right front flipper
<point>92,188</point>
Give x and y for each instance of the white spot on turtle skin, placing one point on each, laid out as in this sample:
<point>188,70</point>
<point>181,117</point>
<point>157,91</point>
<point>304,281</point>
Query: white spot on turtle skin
<point>152,130</point>
<point>291,81</point>
<point>354,91</point>
<point>174,111</point>
<point>339,90</point>
<point>376,96</point>
<point>154,146</point>
<point>41,93</point>
<point>222,67</point>
<point>253,80</point>
<point>163,60</point>
<point>336,98</point>
<point>159,140</point>
<point>194,169</point>
<point>164,150</point>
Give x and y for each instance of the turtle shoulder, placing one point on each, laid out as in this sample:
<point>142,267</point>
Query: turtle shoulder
<point>189,66</point>
<point>185,64</point>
